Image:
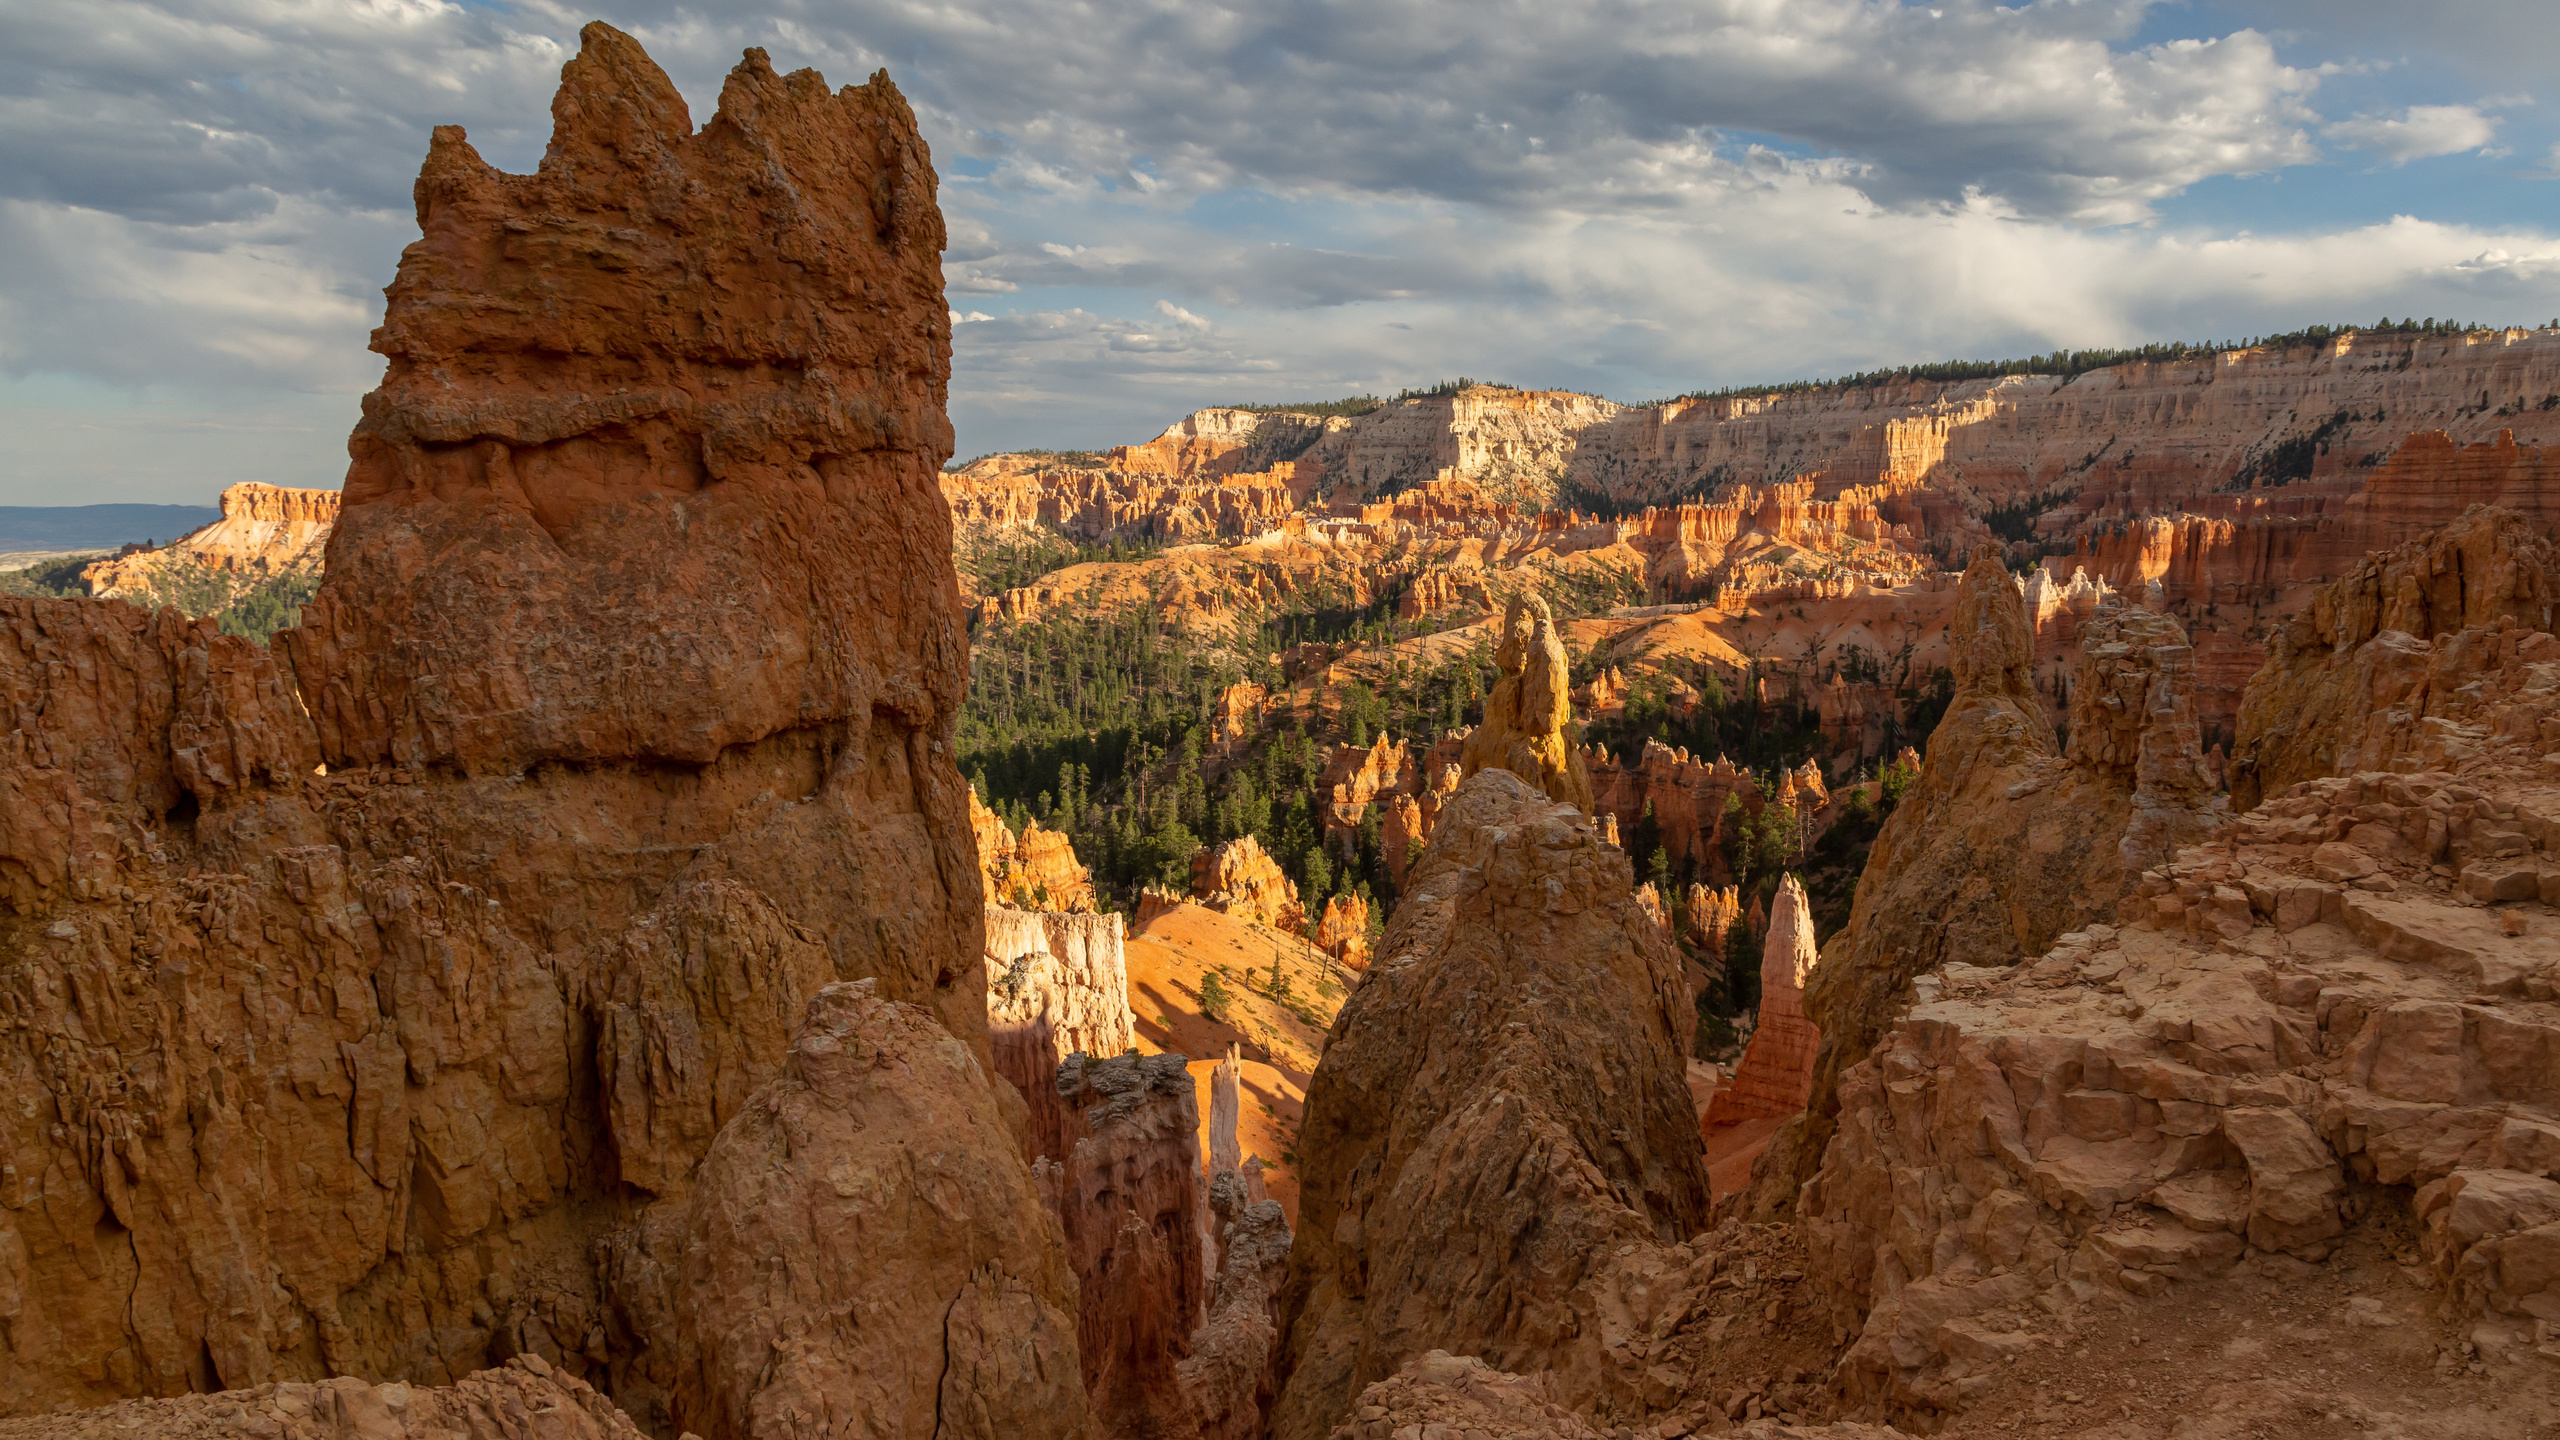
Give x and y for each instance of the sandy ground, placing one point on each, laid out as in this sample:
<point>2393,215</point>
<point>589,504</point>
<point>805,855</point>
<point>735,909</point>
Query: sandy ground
<point>1169,955</point>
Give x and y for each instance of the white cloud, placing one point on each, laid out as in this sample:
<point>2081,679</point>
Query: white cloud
<point>271,299</point>
<point>2418,133</point>
<point>1226,199</point>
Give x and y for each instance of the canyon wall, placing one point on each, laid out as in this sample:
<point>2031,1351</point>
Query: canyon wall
<point>2075,454</point>
<point>366,991</point>
<point>2321,706</point>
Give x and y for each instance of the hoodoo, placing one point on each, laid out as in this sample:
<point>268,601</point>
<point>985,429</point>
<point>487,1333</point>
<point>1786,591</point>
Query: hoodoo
<point>1501,1108</point>
<point>364,993</point>
<point>1776,1074</point>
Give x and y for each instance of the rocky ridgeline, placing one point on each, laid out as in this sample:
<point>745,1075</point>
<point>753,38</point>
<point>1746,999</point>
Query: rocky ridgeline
<point>2116,439</point>
<point>2338,1012</point>
<point>2221,490</point>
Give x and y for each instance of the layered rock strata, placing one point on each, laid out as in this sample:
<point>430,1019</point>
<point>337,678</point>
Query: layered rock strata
<point>634,677</point>
<point>1501,1107</point>
<point>264,530</point>
<point>1057,985</point>
<point>2348,1005</point>
<point>2003,844</point>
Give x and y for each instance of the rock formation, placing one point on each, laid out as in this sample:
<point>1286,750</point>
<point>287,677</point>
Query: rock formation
<point>1037,870</point>
<point>864,1249</point>
<point>1459,1394</point>
<point>1775,1077</point>
<point>2002,844</point>
<point>1131,1202</point>
<point>527,1400</point>
<point>1057,985</point>
<point>634,678</point>
<point>1238,879</point>
<point>2133,727</point>
<point>2348,999</point>
<point>1228,1377</point>
<point>2342,676</point>
<point>1707,916</point>
<point>1502,1106</point>
<point>265,531</point>
<point>1526,715</point>
<point>1343,933</point>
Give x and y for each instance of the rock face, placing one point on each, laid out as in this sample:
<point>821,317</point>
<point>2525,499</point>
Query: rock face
<point>634,674</point>
<point>1237,878</point>
<point>1037,870</point>
<point>2342,677</point>
<point>1526,714</point>
<point>2353,993</point>
<point>527,1400</point>
<point>1775,1077</point>
<point>1501,1106</point>
<point>853,1256</point>
<point>1057,985</point>
<point>1131,1202</point>
<point>2002,844</point>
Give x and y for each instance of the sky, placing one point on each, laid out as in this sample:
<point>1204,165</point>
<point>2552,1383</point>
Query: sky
<point>1161,205</point>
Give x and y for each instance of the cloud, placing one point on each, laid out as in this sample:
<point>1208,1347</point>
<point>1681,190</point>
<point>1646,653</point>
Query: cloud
<point>271,298</point>
<point>1154,205</point>
<point>2418,133</point>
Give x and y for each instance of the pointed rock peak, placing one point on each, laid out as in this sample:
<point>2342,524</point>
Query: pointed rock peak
<point>1992,642</point>
<point>615,106</point>
<point>1788,956</point>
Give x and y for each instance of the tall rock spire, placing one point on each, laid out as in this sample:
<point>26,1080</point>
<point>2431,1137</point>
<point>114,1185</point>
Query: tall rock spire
<point>1527,715</point>
<point>1775,1077</point>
